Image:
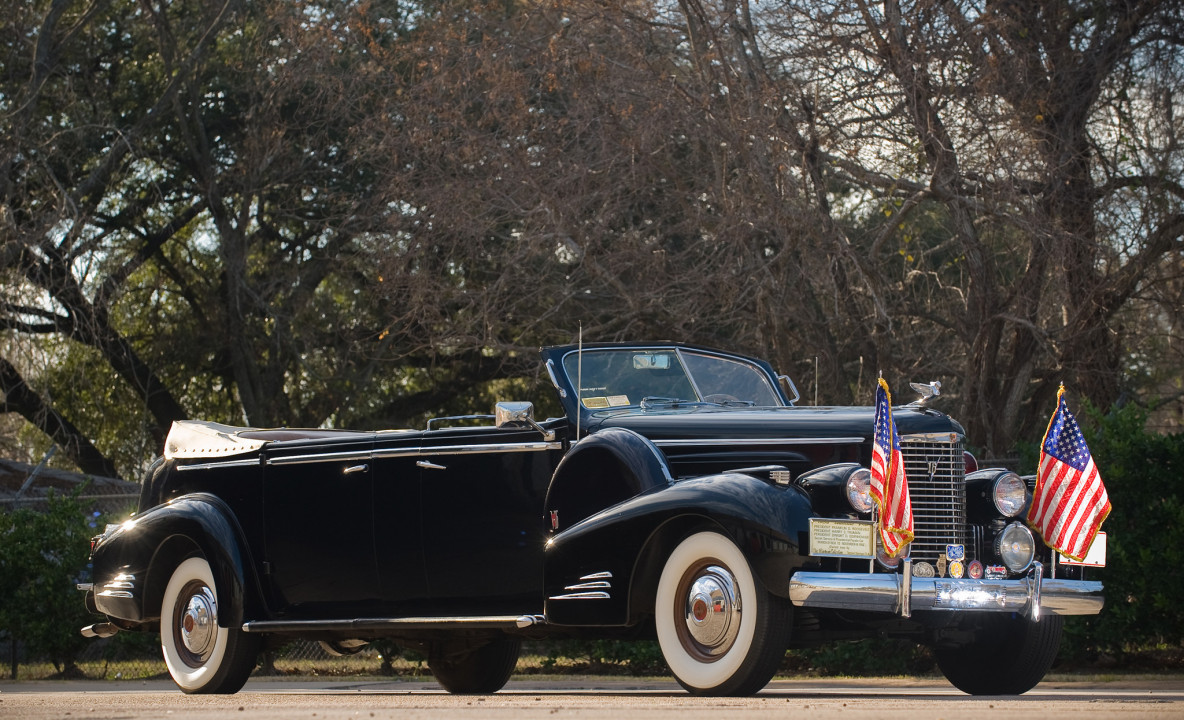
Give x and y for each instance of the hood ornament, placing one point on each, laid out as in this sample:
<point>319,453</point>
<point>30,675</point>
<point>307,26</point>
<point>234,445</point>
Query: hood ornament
<point>928,391</point>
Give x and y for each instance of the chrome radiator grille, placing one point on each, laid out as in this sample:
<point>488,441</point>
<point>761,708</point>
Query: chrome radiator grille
<point>937,489</point>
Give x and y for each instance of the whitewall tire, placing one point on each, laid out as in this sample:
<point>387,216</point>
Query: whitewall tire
<point>721,632</point>
<point>201,656</point>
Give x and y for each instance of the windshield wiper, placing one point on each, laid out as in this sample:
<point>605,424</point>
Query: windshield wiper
<point>732,403</point>
<point>655,400</point>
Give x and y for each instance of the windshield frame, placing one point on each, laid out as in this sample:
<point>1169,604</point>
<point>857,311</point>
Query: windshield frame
<point>557,364</point>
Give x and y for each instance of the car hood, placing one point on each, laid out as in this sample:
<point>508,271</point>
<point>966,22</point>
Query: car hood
<point>714,422</point>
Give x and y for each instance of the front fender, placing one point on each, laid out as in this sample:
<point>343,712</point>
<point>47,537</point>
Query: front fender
<point>133,562</point>
<point>603,571</point>
<point>602,470</point>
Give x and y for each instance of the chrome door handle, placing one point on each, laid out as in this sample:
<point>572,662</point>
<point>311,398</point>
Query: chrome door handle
<point>355,469</point>
<point>430,465</point>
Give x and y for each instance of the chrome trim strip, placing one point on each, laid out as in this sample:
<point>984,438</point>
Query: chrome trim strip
<point>407,452</point>
<point>495,448</point>
<point>606,575</point>
<point>600,595</point>
<point>882,592</point>
<point>381,624</point>
<point>320,457</point>
<point>591,585</point>
<point>116,594</point>
<point>385,454</point>
<point>758,441</point>
<point>944,437</point>
<point>253,462</point>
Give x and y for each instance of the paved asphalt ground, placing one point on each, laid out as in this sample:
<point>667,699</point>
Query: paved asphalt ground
<point>592,698</point>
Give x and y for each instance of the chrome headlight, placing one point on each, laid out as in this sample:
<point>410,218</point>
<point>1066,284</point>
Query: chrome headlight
<point>859,490</point>
<point>1010,494</point>
<point>1016,547</point>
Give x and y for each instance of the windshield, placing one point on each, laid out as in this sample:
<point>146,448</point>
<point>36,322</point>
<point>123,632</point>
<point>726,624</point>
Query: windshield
<point>620,378</point>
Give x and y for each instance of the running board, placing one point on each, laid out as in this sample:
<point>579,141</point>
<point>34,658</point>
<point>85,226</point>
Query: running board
<point>384,625</point>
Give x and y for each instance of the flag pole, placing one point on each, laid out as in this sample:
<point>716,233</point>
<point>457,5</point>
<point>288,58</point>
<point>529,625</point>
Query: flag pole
<point>579,377</point>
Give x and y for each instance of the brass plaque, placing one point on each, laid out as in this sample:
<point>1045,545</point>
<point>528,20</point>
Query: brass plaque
<point>842,538</point>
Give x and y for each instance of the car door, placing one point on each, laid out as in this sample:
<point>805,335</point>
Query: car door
<point>482,493</point>
<point>397,523</point>
<point>319,532</point>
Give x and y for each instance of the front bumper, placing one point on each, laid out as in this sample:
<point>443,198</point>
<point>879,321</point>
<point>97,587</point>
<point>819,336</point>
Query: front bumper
<point>902,593</point>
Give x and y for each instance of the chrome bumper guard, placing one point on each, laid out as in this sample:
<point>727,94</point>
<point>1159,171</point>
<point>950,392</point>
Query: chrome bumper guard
<point>902,593</point>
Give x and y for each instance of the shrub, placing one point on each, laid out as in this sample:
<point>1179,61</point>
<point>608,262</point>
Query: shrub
<point>1145,531</point>
<point>42,557</point>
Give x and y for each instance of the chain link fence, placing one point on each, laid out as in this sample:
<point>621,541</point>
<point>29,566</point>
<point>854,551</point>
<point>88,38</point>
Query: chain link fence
<point>137,656</point>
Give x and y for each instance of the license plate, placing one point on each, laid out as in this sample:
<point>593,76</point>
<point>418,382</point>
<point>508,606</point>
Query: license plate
<point>1096,557</point>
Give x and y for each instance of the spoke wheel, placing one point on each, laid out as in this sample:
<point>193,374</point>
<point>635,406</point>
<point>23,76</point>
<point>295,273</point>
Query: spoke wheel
<point>720,631</point>
<point>201,656</point>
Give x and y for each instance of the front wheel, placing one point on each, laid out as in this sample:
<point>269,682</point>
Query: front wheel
<point>475,669</point>
<point>201,656</point>
<point>1008,656</point>
<point>721,632</point>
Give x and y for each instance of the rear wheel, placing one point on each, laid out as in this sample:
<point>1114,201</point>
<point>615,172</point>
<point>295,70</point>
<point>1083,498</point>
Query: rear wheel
<point>201,656</point>
<point>1008,656</point>
<point>721,632</point>
<point>475,669</point>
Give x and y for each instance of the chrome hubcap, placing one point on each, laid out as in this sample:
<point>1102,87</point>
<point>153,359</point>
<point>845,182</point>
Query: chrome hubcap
<point>199,623</point>
<point>713,610</point>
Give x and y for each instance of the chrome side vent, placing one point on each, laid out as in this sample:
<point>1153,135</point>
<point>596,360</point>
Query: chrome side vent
<point>596,586</point>
<point>120,586</point>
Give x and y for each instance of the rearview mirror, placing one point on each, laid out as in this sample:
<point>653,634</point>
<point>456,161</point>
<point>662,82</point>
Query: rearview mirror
<point>513,413</point>
<point>651,362</point>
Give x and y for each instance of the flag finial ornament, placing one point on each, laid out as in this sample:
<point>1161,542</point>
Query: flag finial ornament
<point>889,486</point>
<point>1070,503</point>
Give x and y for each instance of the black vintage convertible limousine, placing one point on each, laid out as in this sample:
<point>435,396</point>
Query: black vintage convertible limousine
<point>683,496</point>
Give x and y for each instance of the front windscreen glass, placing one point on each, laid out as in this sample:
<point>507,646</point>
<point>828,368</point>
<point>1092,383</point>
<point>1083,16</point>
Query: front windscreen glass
<point>665,377</point>
<point>726,381</point>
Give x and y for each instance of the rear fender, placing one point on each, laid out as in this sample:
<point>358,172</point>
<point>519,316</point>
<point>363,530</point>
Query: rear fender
<point>133,563</point>
<point>604,570</point>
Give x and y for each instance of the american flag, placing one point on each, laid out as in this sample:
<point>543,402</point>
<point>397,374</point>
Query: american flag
<point>1070,502</point>
<point>890,487</point>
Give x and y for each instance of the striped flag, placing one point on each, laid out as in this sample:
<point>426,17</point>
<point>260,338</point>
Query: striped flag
<point>890,487</point>
<point>1070,502</point>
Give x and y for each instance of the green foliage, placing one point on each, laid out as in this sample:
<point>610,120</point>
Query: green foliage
<point>42,556</point>
<point>1145,531</point>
